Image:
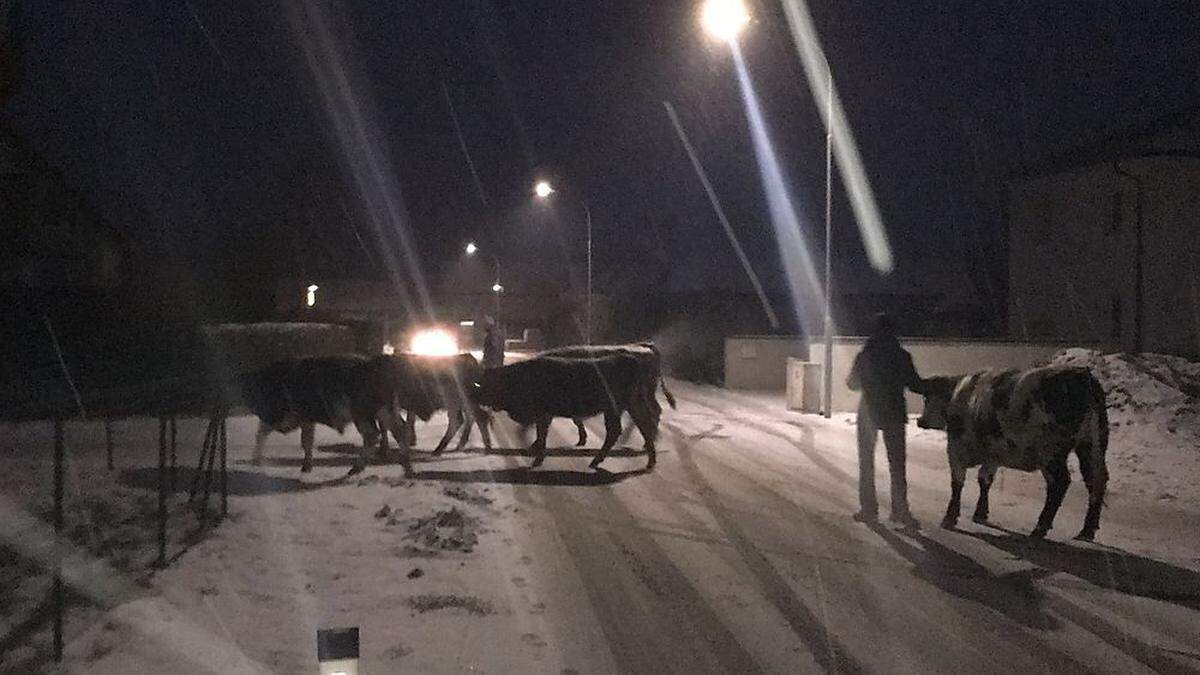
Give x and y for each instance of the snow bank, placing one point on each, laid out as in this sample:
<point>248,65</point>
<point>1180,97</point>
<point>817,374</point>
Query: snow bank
<point>1154,421</point>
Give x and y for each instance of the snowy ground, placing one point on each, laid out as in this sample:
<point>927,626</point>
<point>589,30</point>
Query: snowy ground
<point>736,554</point>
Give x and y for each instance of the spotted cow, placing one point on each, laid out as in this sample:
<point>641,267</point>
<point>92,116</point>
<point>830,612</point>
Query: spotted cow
<point>1027,420</point>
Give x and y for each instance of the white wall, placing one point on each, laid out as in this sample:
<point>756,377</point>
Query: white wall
<point>934,357</point>
<point>760,361</point>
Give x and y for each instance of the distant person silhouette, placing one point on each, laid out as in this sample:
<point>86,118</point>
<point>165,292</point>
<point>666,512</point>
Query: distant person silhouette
<point>882,370</point>
<point>493,344</point>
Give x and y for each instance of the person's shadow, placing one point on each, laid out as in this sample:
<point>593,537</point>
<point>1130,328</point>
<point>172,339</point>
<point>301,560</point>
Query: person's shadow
<point>1015,595</point>
<point>1105,567</point>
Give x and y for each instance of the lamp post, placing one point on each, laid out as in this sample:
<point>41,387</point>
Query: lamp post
<point>827,378</point>
<point>472,249</point>
<point>543,190</point>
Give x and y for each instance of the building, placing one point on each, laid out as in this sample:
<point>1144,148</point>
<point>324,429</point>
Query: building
<point>1103,243</point>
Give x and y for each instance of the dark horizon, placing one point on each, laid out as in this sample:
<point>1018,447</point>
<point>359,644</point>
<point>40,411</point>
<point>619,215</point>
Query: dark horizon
<point>200,130</point>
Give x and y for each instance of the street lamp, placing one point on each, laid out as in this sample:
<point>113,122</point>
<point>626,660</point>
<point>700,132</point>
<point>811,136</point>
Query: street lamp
<point>472,249</point>
<point>724,19</point>
<point>543,190</point>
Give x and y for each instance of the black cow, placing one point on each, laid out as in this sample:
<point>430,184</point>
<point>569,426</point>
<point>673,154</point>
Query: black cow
<point>329,390</point>
<point>1027,420</point>
<point>649,371</point>
<point>542,388</point>
<point>422,385</point>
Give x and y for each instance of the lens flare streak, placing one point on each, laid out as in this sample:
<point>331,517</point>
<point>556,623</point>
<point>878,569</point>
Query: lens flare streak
<point>803,283</point>
<point>854,177</point>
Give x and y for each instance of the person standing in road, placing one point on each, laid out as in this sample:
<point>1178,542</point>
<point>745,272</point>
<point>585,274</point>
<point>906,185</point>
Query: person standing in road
<point>881,371</point>
<point>493,344</point>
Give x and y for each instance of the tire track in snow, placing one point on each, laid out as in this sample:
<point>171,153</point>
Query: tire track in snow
<point>670,627</point>
<point>814,632</point>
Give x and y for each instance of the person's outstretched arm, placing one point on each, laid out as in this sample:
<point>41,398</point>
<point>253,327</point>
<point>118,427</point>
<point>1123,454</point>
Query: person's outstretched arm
<point>911,379</point>
<point>854,380</point>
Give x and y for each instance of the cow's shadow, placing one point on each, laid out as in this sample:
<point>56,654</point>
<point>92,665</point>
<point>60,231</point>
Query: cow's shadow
<point>426,455</point>
<point>1015,595</point>
<point>1105,567</point>
<point>530,476</point>
<point>240,483</point>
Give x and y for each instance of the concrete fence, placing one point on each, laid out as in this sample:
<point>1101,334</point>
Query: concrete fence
<point>760,361</point>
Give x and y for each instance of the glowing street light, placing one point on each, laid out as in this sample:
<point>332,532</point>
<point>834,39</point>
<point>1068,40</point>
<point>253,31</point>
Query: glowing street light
<point>311,298</point>
<point>543,190</point>
<point>497,288</point>
<point>471,248</point>
<point>724,19</point>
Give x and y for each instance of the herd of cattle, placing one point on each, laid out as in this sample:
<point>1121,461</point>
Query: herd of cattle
<point>1029,420</point>
<point>375,393</point>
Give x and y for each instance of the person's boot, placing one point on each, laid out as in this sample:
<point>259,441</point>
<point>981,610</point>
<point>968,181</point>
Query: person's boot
<point>865,516</point>
<point>905,518</point>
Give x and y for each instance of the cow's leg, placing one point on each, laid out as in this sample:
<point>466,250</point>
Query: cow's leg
<point>647,424</point>
<point>582,431</point>
<point>1057,480</point>
<point>454,420</point>
<point>410,429</point>
<point>987,473</point>
<point>612,431</point>
<point>958,474</point>
<point>469,421</point>
<point>260,441</point>
<point>539,444</point>
<point>394,422</point>
<point>306,442</point>
<point>1095,476</point>
<point>483,420</point>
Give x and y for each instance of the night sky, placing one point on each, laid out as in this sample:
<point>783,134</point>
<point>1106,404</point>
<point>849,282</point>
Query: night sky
<point>198,127</point>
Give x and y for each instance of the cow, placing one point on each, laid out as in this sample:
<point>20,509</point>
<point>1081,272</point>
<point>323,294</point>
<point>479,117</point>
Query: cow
<point>1027,420</point>
<point>541,388</point>
<point>650,371</point>
<point>423,385</point>
<point>329,390</point>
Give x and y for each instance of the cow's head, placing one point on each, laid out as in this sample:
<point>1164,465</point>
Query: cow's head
<point>937,392</point>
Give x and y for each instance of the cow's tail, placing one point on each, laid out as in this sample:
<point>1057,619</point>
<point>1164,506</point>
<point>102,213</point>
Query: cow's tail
<point>662,382</point>
<point>649,344</point>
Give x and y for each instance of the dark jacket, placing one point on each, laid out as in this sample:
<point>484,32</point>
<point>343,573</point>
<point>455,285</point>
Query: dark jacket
<point>493,348</point>
<point>881,371</point>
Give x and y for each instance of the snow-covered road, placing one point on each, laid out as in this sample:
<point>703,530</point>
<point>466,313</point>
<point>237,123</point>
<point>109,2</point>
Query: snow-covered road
<point>737,554</point>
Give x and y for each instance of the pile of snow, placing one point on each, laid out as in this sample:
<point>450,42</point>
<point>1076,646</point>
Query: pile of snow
<point>1154,420</point>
